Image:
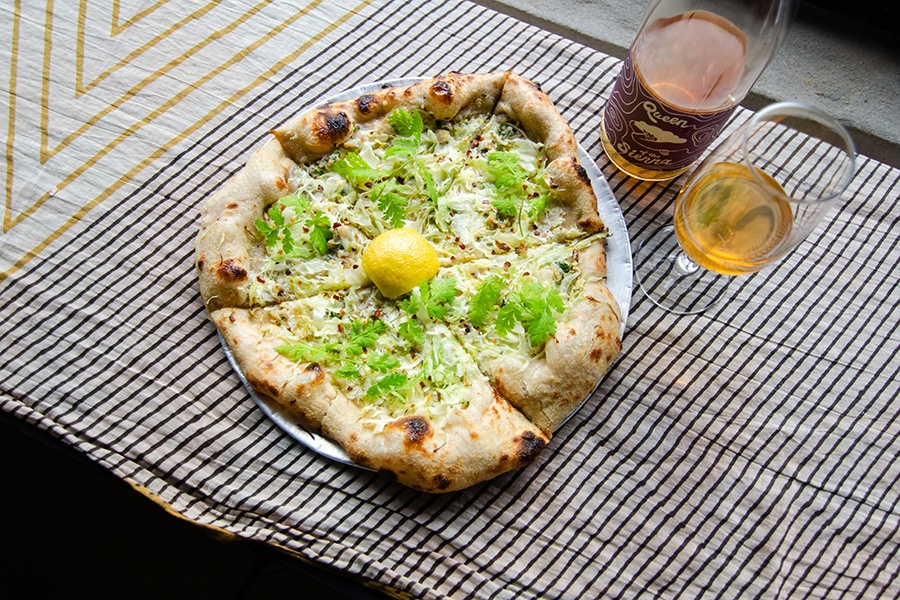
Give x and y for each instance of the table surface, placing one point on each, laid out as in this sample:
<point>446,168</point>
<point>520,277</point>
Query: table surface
<point>750,451</point>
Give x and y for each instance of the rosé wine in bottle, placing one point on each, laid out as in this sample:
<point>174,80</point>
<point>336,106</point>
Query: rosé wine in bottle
<point>688,68</point>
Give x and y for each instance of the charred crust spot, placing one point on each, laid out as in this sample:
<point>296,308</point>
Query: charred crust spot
<point>442,91</point>
<point>232,318</point>
<point>232,205</point>
<point>579,170</point>
<point>416,430</point>
<point>441,481</point>
<point>528,446</point>
<point>230,271</point>
<point>331,126</point>
<point>200,265</point>
<point>365,103</point>
<point>354,437</point>
<point>264,387</point>
<point>313,368</point>
<point>315,371</point>
<point>597,354</point>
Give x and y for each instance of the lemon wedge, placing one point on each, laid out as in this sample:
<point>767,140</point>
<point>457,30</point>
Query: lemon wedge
<point>398,260</point>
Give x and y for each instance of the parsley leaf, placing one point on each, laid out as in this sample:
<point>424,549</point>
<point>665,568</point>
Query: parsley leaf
<point>389,384</point>
<point>345,354</point>
<point>392,204</point>
<point>405,123</point>
<point>320,231</point>
<point>280,231</point>
<point>314,353</point>
<point>411,330</point>
<point>409,127</point>
<point>534,308</point>
<point>428,178</point>
<point>504,168</point>
<point>507,205</point>
<point>356,170</point>
<point>437,294</point>
<point>485,298</point>
<point>382,362</point>
<point>363,335</point>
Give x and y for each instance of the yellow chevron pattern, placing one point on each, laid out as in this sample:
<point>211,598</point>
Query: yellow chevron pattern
<point>100,89</point>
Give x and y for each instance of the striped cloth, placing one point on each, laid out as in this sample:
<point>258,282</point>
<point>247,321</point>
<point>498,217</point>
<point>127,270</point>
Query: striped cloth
<point>747,452</point>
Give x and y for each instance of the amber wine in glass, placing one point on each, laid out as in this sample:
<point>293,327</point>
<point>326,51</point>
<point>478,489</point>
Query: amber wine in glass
<point>756,196</point>
<point>729,223</point>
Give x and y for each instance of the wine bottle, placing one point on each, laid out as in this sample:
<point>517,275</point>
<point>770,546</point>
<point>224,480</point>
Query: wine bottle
<point>689,66</point>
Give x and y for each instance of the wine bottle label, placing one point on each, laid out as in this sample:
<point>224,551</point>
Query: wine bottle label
<point>652,134</point>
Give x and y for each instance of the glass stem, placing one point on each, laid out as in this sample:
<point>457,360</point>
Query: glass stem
<point>684,265</point>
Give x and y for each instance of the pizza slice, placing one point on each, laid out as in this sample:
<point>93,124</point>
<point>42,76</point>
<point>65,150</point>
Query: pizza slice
<point>417,409</point>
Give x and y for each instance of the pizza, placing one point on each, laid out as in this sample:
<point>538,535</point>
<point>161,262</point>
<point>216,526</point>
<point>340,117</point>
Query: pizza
<point>418,274</point>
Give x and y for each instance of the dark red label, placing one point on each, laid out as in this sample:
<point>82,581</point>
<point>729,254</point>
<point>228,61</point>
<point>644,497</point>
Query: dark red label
<point>652,134</point>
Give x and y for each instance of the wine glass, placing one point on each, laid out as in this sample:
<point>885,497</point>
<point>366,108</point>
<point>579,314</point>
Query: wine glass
<point>754,198</point>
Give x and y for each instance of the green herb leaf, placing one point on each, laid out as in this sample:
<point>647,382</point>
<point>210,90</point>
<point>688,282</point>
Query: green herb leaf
<point>412,331</point>
<point>437,294</point>
<point>534,308</point>
<point>430,186</point>
<point>403,147</point>
<point>382,362</point>
<point>298,202</point>
<point>320,231</point>
<point>276,215</point>
<point>504,168</point>
<point>506,205</point>
<point>363,335</point>
<point>507,317</point>
<point>486,297</point>
<point>392,383</point>
<point>348,371</point>
<point>537,206</point>
<point>392,204</point>
<point>294,245</point>
<point>405,123</point>
<point>313,353</point>
<point>356,170</point>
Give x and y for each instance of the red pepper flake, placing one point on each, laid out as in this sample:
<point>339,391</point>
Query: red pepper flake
<point>462,246</point>
<point>507,264</point>
<point>260,279</point>
<point>340,328</point>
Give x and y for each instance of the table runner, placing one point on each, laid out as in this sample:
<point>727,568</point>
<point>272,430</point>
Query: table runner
<point>751,451</point>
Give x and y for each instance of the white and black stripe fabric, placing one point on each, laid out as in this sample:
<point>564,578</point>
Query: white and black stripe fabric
<point>749,452</point>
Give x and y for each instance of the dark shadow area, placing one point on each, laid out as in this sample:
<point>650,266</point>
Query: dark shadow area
<point>73,529</point>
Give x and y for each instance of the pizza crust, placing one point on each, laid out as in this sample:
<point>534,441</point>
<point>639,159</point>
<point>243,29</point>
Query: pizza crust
<point>515,409</point>
<point>317,132</point>
<point>227,247</point>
